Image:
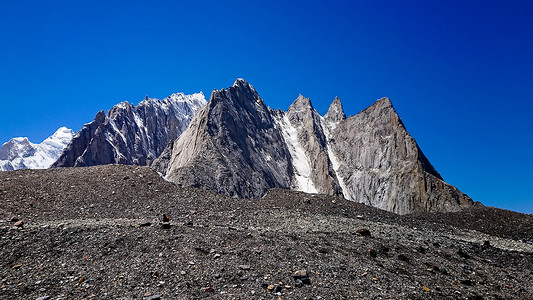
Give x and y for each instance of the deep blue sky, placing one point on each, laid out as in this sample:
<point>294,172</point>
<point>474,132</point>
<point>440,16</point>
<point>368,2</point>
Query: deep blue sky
<point>459,73</point>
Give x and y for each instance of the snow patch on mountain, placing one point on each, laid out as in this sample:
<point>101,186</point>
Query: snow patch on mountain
<point>300,161</point>
<point>20,153</point>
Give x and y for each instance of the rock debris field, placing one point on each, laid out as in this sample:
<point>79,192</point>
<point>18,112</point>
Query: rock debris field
<point>98,233</point>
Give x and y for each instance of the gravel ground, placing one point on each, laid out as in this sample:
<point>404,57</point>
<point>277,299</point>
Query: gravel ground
<point>96,233</point>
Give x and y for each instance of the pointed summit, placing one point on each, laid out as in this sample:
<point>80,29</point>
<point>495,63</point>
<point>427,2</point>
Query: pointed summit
<point>230,147</point>
<point>335,112</point>
<point>240,82</point>
<point>301,104</point>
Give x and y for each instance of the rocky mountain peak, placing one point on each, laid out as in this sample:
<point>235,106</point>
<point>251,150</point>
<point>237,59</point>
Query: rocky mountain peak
<point>240,82</point>
<point>10,149</point>
<point>131,134</point>
<point>230,141</point>
<point>335,112</point>
<point>100,117</point>
<point>240,147</point>
<point>301,104</point>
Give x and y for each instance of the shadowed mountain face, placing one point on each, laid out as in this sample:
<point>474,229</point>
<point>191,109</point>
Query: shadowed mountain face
<point>238,146</point>
<point>133,135</point>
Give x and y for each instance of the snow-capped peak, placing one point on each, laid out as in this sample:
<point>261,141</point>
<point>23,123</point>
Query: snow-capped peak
<point>60,138</point>
<point>20,153</point>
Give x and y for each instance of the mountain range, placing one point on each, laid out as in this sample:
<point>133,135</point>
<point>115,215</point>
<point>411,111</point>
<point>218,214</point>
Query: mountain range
<point>236,145</point>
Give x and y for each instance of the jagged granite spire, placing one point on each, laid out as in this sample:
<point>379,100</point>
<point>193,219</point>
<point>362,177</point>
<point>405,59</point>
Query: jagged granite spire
<point>302,130</point>
<point>381,165</point>
<point>335,112</point>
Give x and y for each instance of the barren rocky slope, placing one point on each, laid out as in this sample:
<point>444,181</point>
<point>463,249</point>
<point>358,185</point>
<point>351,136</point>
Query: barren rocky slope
<point>95,233</point>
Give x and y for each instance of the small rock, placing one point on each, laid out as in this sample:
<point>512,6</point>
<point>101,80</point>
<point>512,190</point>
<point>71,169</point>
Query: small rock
<point>278,289</point>
<point>216,256</point>
<point>302,276</point>
<point>403,258</point>
<point>217,275</point>
<point>298,283</point>
<point>270,287</point>
<point>466,282</point>
<point>166,218</point>
<point>44,298</point>
<point>360,217</point>
<point>463,254</point>
<point>244,267</point>
<point>202,250</point>
<point>372,253</point>
<point>183,273</point>
<point>243,278</point>
<point>19,223</point>
<point>154,297</point>
<point>208,289</point>
<point>363,232</point>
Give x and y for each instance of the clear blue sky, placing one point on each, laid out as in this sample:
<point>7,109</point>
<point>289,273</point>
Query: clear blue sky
<point>460,73</point>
